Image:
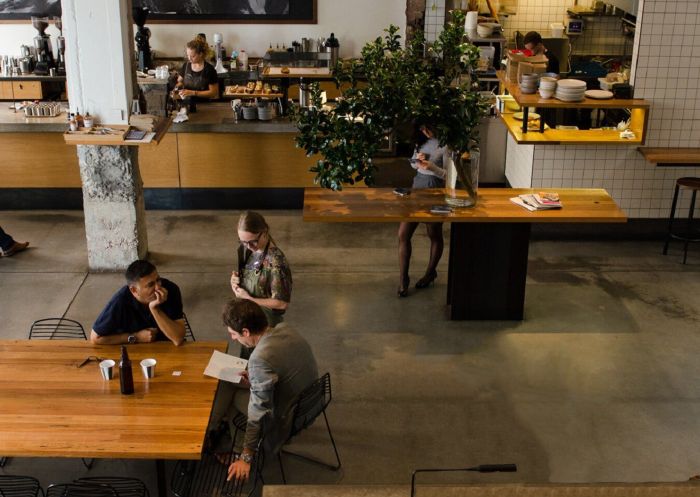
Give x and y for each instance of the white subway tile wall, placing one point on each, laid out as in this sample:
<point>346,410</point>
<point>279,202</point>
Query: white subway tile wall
<point>434,18</point>
<point>667,72</point>
<point>535,15</point>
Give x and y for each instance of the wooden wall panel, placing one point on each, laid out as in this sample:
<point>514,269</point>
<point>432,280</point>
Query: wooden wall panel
<point>242,160</point>
<point>38,160</point>
<point>159,164</point>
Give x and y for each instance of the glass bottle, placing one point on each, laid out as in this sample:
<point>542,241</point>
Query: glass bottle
<point>126,377</point>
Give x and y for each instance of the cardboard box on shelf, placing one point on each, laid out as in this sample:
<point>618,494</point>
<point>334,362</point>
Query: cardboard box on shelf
<point>514,60</point>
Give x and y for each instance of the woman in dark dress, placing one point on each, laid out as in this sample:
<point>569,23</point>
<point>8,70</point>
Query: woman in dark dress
<point>428,161</point>
<point>197,77</point>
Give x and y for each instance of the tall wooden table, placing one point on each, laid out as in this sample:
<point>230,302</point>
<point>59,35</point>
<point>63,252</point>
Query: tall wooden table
<point>51,408</point>
<point>488,243</point>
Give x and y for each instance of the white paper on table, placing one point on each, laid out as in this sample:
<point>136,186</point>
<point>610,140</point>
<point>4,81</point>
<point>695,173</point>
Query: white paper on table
<point>225,367</point>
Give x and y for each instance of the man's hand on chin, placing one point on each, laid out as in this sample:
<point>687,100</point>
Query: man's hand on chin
<point>161,296</point>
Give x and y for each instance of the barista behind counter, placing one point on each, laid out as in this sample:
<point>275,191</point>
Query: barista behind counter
<point>533,42</point>
<point>197,77</point>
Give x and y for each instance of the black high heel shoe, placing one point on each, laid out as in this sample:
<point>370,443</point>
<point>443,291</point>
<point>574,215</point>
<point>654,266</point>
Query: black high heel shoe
<point>427,280</point>
<point>403,288</point>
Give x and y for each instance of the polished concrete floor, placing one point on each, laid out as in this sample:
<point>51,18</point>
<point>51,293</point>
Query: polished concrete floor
<point>599,382</point>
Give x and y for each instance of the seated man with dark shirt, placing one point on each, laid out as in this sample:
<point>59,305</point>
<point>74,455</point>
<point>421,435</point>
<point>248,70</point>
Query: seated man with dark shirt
<point>146,309</point>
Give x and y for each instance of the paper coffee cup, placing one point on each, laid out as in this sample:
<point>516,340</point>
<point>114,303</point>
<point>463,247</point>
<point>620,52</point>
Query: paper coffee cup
<point>107,369</point>
<point>148,367</point>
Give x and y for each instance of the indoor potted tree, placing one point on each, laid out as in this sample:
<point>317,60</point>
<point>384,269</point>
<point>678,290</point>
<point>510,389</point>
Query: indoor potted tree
<point>389,87</point>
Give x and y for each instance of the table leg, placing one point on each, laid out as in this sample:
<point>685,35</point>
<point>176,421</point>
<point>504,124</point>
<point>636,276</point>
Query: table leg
<point>526,110</point>
<point>160,475</point>
<point>487,270</point>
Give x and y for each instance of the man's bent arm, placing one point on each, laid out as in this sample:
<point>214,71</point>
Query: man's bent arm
<point>173,329</point>
<point>108,339</point>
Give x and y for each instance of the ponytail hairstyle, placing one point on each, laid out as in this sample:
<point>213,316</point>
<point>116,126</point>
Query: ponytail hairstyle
<point>198,45</point>
<point>253,222</point>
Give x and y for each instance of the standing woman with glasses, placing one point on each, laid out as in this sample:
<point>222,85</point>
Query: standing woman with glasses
<point>263,274</point>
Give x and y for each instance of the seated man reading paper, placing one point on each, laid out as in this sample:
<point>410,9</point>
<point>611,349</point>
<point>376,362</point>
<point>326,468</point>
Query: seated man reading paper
<point>148,308</point>
<point>279,369</point>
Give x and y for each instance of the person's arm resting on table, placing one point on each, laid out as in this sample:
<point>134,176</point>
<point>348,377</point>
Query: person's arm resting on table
<point>262,388</point>
<point>174,329</point>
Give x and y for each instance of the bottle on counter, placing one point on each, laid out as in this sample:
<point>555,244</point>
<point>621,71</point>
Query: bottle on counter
<point>88,121</point>
<point>79,119</point>
<point>243,60</point>
<point>333,46</point>
<point>72,123</point>
<point>126,377</point>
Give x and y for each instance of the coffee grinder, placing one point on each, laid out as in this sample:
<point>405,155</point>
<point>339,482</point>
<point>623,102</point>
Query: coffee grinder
<point>143,48</point>
<point>60,47</point>
<point>42,44</point>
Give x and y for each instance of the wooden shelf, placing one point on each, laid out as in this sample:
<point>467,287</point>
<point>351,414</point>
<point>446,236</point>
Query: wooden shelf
<point>563,136</point>
<point>253,95</point>
<point>639,115</point>
<point>683,157</point>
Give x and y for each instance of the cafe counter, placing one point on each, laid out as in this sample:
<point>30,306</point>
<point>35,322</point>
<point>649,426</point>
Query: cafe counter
<point>209,161</point>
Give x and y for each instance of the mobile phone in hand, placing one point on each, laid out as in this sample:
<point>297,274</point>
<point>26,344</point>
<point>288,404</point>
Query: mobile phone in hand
<point>402,192</point>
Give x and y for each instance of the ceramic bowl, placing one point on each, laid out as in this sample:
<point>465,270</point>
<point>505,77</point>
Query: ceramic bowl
<point>483,30</point>
<point>546,93</point>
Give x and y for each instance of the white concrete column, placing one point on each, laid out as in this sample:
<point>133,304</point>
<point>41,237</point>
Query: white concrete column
<point>100,77</point>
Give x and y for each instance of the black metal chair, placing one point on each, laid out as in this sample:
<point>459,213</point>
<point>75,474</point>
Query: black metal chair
<point>189,334</point>
<point>312,402</point>
<point>124,486</point>
<point>691,231</point>
<point>207,476</point>
<point>57,329</point>
<point>3,461</point>
<point>20,486</point>
<point>80,490</point>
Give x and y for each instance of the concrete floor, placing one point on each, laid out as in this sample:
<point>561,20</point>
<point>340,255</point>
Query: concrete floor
<point>600,382</point>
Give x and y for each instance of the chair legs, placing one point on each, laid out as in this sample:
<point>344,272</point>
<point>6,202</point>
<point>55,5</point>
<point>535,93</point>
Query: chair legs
<point>333,467</point>
<point>686,237</point>
<point>88,463</point>
<point>3,461</point>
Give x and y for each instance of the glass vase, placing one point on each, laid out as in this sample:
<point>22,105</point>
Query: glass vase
<point>462,179</point>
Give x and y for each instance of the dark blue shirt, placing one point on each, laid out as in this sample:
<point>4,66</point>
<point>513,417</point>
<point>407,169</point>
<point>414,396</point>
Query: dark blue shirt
<point>124,314</point>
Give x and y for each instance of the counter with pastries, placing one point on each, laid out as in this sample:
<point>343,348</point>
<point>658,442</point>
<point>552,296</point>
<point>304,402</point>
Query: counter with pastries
<point>207,161</point>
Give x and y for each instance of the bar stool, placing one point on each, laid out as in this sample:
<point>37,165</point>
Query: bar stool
<point>691,234</point>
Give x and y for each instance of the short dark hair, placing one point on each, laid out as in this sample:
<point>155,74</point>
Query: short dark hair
<point>532,37</point>
<point>137,270</point>
<point>243,313</point>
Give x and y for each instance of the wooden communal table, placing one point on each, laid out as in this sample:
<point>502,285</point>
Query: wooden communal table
<point>51,408</point>
<point>488,243</point>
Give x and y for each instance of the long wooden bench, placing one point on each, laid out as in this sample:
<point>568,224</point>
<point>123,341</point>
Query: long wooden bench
<point>671,157</point>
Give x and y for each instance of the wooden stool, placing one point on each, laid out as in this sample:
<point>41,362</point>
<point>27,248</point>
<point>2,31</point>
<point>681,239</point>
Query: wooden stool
<point>691,234</point>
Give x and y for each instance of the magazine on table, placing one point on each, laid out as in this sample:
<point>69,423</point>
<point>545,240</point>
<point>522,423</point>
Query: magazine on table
<point>538,201</point>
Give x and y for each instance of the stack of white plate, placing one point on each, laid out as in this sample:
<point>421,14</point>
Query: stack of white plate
<point>528,83</point>
<point>547,87</point>
<point>570,90</point>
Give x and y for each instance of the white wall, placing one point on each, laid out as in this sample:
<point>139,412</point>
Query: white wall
<point>353,22</point>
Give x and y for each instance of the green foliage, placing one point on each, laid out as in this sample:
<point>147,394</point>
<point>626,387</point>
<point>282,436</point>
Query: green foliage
<point>390,86</point>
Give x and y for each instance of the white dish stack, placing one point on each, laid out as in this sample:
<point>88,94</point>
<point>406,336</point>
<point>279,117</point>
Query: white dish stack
<point>570,90</point>
<point>547,87</point>
<point>528,83</point>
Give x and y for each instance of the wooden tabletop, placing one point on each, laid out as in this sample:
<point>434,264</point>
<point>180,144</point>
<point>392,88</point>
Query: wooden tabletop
<point>51,408</point>
<point>377,205</point>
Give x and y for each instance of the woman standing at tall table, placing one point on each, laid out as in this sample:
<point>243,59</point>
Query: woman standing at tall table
<point>428,162</point>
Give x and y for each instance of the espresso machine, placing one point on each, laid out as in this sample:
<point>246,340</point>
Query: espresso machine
<point>60,47</point>
<point>42,45</point>
<point>143,48</point>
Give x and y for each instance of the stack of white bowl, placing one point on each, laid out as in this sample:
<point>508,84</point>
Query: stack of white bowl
<point>547,87</point>
<point>528,83</point>
<point>571,90</point>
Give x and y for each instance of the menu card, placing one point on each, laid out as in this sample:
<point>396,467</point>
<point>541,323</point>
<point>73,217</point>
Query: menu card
<point>225,367</point>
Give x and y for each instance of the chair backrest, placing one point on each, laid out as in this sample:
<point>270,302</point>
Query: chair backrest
<point>189,334</point>
<point>20,486</point>
<point>124,486</point>
<point>80,490</point>
<point>311,403</point>
<point>57,329</point>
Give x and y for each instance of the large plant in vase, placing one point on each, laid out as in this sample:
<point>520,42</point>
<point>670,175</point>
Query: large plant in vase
<point>389,87</point>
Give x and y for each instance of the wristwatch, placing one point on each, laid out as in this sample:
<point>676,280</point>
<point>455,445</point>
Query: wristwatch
<point>131,339</point>
<point>247,458</point>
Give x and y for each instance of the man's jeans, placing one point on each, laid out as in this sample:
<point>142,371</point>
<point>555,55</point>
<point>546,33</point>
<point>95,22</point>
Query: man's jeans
<point>6,240</point>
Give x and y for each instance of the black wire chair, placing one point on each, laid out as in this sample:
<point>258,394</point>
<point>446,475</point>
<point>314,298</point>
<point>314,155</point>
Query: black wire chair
<point>80,490</point>
<point>20,486</point>
<point>312,402</point>
<point>189,334</point>
<point>124,486</point>
<point>3,461</point>
<point>207,476</point>
<point>57,329</point>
